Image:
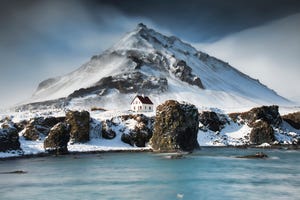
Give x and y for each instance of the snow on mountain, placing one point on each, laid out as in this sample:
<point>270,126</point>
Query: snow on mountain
<point>145,61</point>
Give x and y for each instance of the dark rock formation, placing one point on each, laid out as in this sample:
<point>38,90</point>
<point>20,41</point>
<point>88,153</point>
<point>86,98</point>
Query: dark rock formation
<point>39,127</point>
<point>262,120</point>
<point>107,131</point>
<point>262,132</point>
<point>133,82</point>
<point>9,138</point>
<point>175,128</point>
<point>57,140</point>
<point>211,121</point>
<point>268,114</point>
<point>80,126</point>
<point>255,156</point>
<point>141,133</point>
<point>184,73</point>
<point>293,119</point>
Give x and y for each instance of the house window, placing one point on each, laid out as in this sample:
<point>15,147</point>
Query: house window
<point>145,108</point>
<point>149,107</point>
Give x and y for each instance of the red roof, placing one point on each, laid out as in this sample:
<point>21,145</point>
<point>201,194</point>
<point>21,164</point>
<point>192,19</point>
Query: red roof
<point>143,99</point>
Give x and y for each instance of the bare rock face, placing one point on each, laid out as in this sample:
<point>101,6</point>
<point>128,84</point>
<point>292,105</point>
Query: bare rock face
<point>79,122</point>
<point>57,140</point>
<point>39,127</point>
<point>262,132</point>
<point>9,138</point>
<point>293,119</point>
<point>261,120</point>
<point>142,131</point>
<point>211,121</point>
<point>175,128</point>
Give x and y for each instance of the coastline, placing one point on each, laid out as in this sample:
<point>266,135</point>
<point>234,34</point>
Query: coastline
<point>147,150</point>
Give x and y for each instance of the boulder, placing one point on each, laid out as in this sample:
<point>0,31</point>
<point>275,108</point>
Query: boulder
<point>211,121</point>
<point>57,140</point>
<point>268,114</point>
<point>9,138</point>
<point>262,132</point>
<point>39,127</point>
<point>79,122</point>
<point>175,127</point>
<point>293,119</point>
<point>107,132</point>
<point>261,120</point>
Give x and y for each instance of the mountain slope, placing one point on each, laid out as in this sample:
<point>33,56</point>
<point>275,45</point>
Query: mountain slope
<point>145,61</point>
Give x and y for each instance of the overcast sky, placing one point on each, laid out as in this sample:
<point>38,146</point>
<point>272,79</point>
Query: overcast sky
<point>41,39</point>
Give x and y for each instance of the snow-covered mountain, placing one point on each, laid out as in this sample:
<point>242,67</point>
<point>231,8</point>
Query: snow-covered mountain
<point>147,62</point>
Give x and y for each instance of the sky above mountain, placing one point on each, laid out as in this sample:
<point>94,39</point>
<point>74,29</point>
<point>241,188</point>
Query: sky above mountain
<point>42,39</point>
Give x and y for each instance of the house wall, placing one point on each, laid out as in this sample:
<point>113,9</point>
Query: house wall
<point>137,106</point>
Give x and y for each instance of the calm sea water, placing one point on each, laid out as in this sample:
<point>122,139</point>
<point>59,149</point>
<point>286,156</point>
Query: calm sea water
<point>212,173</point>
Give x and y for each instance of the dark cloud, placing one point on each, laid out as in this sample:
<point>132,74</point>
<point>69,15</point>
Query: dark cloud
<point>203,20</point>
<point>45,38</point>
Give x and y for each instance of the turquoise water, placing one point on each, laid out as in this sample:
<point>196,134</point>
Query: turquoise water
<point>212,173</point>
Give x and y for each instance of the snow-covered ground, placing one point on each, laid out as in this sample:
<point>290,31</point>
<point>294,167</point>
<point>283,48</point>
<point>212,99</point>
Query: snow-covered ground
<point>232,134</point>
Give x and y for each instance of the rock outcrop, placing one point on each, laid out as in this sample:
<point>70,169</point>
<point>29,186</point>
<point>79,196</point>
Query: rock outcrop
<point>261,120</point>
<point>262,132</point>
<point>210,120</point>
<point>79,122</point>
<point>136,129</point>
<point>175,127</point>
<point>57,140</point>
<point>9,138</point>
<point>39,127</point>
<point>293,119</point>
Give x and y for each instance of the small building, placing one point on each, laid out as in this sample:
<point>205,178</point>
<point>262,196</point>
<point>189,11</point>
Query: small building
<point>141,104</point>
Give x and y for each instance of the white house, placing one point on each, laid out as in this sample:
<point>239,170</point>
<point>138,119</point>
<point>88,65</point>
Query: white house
<point>141,104</point>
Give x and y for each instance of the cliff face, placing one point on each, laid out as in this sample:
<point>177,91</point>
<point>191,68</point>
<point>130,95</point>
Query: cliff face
<point>175,128</point>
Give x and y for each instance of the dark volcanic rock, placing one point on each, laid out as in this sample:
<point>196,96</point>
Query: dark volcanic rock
<point>184,73</point>
<point>211,121</point>
<point>262,132</point>
<point>175,128</point>
<point>133,82</point>
<point>9,138</point>
<point>57,140</point>
<point>254,156</point>
<point>39,127</point>
<point>107,131</point>
<point>293,119</point>
<point>262,120</point>
<point>141,133</point>
<point>268,114</point>
<point>80,126</point>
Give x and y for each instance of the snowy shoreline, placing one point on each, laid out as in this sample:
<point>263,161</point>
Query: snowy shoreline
<point>259,148</point>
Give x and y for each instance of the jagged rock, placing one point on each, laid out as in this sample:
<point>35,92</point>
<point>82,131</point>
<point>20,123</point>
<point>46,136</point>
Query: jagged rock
<point>293,119</point>
<point>262,132</point>
<point>134,82</point>
<point>57,140</point>
<point>184,73</point>
<point>211,121</point>
<point>126,138</point>
<point>268,114</point>
<point>9,138</point>
<point>142,131</point>
<point>175,128</point>
<point>261,120</point>
<point>80,126</point>
<point>107,131</point>
<point>39,127</point>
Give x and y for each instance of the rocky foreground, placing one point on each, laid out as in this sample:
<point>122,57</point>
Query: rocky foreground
<point>176,127</point>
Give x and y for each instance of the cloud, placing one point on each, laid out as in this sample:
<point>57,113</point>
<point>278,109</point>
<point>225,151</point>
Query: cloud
<point>270,53</point>
<point>52,38</point>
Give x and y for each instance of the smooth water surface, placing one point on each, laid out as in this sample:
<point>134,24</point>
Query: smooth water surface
<point>212,173</point>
